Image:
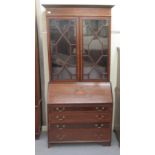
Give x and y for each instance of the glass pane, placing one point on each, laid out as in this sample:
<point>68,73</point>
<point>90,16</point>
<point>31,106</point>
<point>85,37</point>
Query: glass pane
<point>95,49</point>
<point>63,48</point>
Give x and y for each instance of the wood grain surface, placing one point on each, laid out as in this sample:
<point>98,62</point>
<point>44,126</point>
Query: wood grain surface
<point>94,92</point>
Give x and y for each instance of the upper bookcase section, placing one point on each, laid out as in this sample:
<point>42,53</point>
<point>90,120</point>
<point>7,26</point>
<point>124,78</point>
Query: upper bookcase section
<point>78,10</point>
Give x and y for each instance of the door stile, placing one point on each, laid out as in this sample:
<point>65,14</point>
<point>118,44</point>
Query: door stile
<point>81,48</point>
<point>78,50</point>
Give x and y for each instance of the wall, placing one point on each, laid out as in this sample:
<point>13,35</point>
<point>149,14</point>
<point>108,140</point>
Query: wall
<point>115,37</point>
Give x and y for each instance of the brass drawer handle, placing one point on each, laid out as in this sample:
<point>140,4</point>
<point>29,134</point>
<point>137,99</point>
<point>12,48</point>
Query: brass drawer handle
<point>100,108</point>
<point>100,116</point>
<point>61,137</point>
<point>60,118</point>
<point>96,125</point>
<point>99,135</point>
<point>60,109</point>
<point>60,126</point>
<point>99,125</point>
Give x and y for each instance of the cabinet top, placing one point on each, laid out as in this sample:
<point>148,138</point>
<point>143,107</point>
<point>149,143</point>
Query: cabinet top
<point>76,6</point>
<point>79,92</point>
<point>78,10</point>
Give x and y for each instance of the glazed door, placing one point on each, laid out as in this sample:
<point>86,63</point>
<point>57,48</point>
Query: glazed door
<point>79,48</point>
<point>63,48</point>
<point>95,48</point>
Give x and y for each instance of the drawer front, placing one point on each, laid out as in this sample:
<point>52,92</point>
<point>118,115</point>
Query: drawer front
<point>79,107</point>
<point>79,117</point>
<point>79,125</point>
<point>80,134</point>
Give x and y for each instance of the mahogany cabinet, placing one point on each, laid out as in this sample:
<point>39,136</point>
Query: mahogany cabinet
<point>37,88</point>
<point>79,60</point>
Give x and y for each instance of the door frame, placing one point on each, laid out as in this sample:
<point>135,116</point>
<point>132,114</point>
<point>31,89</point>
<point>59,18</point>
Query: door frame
<point>109,47</point>
<point>48,19</point>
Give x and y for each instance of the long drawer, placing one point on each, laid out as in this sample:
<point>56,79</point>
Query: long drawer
<point>79,117</point>
<point>98,134</point>
<point>80,107</point>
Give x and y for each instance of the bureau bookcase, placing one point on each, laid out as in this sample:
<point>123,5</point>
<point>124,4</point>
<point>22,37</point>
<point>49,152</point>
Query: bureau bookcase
<point>79,93</point>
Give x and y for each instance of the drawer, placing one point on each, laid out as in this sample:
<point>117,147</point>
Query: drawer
<point>80,107</point>
<point>62,126</point>
<point>79,117</point>
<point>102,134</point>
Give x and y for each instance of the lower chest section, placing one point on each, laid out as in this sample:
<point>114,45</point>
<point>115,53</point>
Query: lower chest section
<point>79,123</point>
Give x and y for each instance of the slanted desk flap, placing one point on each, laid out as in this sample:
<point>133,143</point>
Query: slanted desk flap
<point>79,92</point>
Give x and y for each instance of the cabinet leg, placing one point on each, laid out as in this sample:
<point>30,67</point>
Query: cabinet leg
<point>109,144</point>
<point>106,143</point>
<point>49,145</point>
